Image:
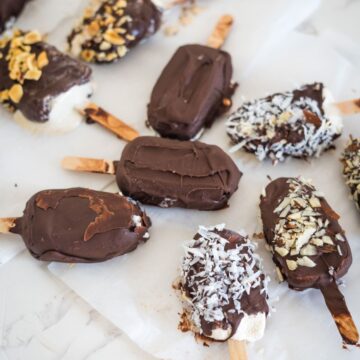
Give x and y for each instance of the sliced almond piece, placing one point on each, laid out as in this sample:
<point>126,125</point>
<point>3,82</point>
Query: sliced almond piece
<point>16,93</point>
<point>291,264</point>
<point>305,261</point>
<point>308,250</point>
<point>281,251</point>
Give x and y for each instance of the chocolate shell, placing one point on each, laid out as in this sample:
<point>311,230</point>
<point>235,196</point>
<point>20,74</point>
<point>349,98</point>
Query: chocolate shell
<point>190,92</point>
<point>222,282</point>
<point>172,173</point>
<point>299,123</point>
<point>107,32</point>
<point>308,244</point>
<point>81,225</point>
<point>32,89</point>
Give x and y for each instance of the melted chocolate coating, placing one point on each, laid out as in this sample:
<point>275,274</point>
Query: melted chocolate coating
<point>251,303</point>
<point>81,225</point>
<point>171,173</point>
<point>306,277</point>
<point>189,93</point>
<point>135,19</point>
<point>61,74</point>
<point>10,9</point>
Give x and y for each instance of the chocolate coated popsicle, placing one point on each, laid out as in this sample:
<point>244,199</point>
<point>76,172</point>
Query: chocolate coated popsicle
<point>351,168</point>
<point>170,173</point>
<point>41,85</point>
<point>223,286</point>
<point>308,244</point>
<point>9,10</point>
<point>299,123</point>
<point>80,225</point>
<point>111,28</point>
<point>190,92</point>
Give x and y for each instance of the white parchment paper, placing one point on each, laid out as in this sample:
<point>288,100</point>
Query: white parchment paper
<point>29,163</point>
<point>135,292</point>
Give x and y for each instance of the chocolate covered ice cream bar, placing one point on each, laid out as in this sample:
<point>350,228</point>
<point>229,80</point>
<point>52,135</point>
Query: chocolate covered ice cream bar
<point>169,173</point>
<point>309,246</point>
<point>194,88</point>
<point>223,286</point>
<point>110,28</point>
<point>299,123</point>
<point>41,85</point>
<point>79,225</point>
<point>351,168</point>
<point>9,11</point>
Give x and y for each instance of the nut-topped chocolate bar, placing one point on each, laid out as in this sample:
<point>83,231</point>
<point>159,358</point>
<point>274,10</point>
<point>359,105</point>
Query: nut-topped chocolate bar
<point>110,28</point>
<point>41,85</point>
<point>309,246</point>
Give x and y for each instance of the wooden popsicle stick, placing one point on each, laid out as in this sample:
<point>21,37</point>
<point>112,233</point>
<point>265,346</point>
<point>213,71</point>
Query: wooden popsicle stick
<point>336,303</point>
<point>6,224</point>
<point>349,107</point>
<point>110,122</point>
<point>99,166</point>
<point>237,350</point>
<point>222,29</point>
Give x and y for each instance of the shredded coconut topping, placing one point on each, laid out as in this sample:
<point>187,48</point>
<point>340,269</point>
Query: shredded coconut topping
<point>302,231</point>
<point>215,276</point>
<point>351,170</point>
<point>293,123</point>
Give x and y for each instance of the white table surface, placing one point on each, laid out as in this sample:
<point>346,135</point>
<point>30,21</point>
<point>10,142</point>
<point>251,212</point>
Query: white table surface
<point>40,318</point>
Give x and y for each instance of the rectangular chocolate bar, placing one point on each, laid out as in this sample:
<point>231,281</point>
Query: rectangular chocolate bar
<point>193,89</point>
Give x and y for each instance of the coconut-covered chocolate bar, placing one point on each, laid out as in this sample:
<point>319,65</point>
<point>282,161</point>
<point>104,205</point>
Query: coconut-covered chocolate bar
<point>110,28</point>
<point>223,286</point>
<point>351,168</point>
<point>171,173</point>
<point>9,11</point>
<point>299,123</point>
<point>194,88</point>
<point>81,225</point>
<point>309,246</point>
<point>41,85</point>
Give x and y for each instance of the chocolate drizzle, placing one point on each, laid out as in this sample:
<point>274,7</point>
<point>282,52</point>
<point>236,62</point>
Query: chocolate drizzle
<point>171,173</point>
<point>190,92</point>
<point>81,225</point>
<point>309,246</point>
<point>222,280</point>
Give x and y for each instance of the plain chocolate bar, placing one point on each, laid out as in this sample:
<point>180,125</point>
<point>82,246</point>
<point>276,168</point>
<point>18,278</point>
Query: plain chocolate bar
<point>113,27</point>
<point>194,88</point>
<point>81,225</point>
<point>172,173</point>
<point>223,286</point>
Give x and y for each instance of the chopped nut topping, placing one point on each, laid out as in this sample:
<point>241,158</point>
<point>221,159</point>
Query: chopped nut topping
<point>23,63</point>
<point>16,93</point>
<point>302,230</point>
